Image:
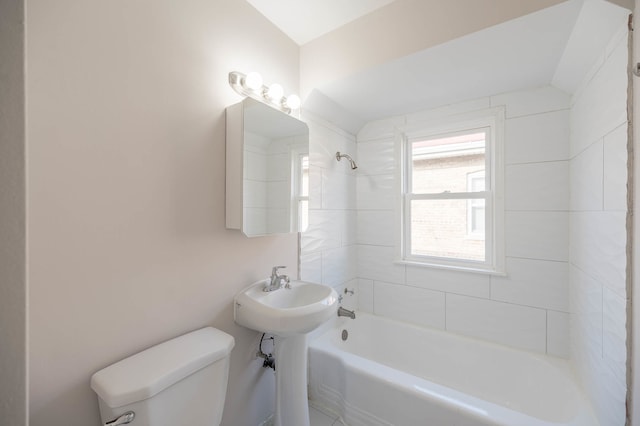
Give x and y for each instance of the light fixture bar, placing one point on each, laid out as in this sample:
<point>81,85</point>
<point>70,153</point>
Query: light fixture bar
<point>273,95</point>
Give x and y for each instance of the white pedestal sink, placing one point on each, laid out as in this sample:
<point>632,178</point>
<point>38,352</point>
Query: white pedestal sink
<point>289,314</point>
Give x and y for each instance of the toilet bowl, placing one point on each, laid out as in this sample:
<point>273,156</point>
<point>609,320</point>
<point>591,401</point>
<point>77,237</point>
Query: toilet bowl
<point>182,381</point>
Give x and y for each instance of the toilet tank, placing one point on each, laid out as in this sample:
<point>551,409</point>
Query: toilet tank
<point>182,381</point>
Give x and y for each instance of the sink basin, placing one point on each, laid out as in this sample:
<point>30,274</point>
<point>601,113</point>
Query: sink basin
<point>286,311</point>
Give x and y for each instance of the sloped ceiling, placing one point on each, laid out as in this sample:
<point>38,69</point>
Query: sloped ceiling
<point>556,46</point>
<point>523,52</point>
<point>305,20</point>
<point>597,22</point>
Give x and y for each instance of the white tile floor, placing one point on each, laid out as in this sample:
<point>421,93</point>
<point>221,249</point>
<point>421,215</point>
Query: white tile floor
<point>318,418</point>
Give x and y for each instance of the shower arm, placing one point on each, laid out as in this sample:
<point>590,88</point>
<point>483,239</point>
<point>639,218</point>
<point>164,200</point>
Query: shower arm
<point>339,157</point>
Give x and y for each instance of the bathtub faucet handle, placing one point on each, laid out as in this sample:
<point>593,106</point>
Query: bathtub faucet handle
<point>124,419</point>
<point>350,292</point>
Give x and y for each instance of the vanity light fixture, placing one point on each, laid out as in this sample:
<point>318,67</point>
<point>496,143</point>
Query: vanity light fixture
<point>293,101</point>
<point>252,85</point>
<point>253,81</point>
<point>275,92</point>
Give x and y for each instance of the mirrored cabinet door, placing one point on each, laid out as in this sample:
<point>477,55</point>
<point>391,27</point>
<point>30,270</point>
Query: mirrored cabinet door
<point>267,170</point>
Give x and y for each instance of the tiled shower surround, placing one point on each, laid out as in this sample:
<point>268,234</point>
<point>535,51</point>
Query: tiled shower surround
<point>329,250</point>
<point>565,200</point>
<point>528,308</point>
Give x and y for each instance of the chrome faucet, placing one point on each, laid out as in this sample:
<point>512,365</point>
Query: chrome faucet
<point>276,281</point>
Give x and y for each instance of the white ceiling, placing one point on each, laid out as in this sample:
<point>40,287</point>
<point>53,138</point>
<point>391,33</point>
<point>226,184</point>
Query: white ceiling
<point>305,20</point>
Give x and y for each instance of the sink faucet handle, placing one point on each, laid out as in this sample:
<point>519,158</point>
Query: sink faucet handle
<point>287,282</point>
<point>274,270</point>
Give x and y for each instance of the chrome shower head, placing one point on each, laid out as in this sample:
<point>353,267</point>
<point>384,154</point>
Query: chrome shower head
<point>340,156</point>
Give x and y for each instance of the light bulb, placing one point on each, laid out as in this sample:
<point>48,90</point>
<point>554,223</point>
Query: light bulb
<point>275,92</point>
<point>253,81</point>
<point>293,101</point>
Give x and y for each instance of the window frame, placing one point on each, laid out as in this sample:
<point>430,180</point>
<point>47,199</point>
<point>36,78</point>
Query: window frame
<point>297,197</point>
<point>471,233</point>
<point>493,120</point>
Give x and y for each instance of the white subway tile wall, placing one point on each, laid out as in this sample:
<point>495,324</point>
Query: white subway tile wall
<point>328,247</point>
<point>311,266</point>
<point>538,138</point>
<point>532,282</point>
<point>469,284</point>
<point>376,192</point>
<point>537,186</point>
<point>531,102</point>
<point>410,304</point>
<point>558,333</point>
<point>537,235</point>
<point>445,111</point>
<point>339,265</point>
<point>586,174</point>
<point>601,103</point>
<point>598,237</point>
<point>615,169</point>
<point>364,291</point>
<point>376,227</point>
<point>598,246</point>
<point>377,263</point>
<point>513,325</point>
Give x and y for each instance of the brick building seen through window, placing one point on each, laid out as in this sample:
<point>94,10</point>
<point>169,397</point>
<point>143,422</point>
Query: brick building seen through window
<point>448,227</point>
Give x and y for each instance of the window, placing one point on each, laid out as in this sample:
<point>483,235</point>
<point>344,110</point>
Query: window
<point>452,208</point>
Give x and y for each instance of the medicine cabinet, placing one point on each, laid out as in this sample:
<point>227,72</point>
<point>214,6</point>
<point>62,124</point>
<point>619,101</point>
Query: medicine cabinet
<point>267,176</point>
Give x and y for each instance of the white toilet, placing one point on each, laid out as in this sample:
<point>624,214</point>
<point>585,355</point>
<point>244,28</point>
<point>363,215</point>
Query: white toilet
<point>179,382</point>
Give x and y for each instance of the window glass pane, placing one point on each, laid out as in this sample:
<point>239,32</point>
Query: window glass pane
<point>440,228</point>
<point>443,164</point>
<point>304,182</point>
<point>476,219</point>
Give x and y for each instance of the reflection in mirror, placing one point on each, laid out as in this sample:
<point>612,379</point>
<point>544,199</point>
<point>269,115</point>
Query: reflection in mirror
<point>270,193</point>
<point>301,185</point>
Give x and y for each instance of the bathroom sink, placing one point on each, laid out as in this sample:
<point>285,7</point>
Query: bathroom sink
<point>289,313</point>
<point>286,311</point>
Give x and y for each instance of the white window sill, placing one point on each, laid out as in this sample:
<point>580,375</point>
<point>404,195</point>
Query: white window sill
<point>493,272</point>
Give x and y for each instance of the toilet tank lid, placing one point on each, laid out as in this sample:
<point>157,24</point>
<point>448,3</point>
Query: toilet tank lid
<point>146,373</point>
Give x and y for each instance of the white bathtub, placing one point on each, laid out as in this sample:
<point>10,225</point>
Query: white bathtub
<point>393,373</point>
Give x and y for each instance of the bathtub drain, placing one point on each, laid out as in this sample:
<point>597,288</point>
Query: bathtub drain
<point>345,334</point>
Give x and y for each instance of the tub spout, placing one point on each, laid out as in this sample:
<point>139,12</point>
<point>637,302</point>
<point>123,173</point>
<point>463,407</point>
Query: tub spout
<point>342,312</point>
